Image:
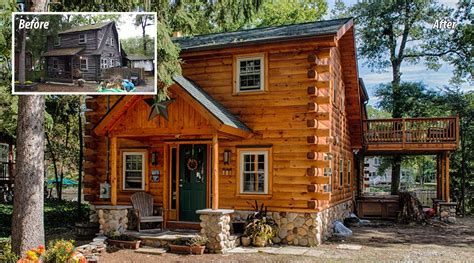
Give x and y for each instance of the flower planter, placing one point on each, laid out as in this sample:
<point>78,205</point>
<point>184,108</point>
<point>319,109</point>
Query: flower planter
<point>259,241</point>
<point>198,250</point>
<point>135,244</point>
<point>245,241</point>
<point>180,249</point>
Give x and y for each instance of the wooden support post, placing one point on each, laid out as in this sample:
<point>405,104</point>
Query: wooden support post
<point>166,183</point>
<point>215,172</point>
<point>446,188</point>
<point>443,177</point>
<point>439,194</point>
<point>113,168</point>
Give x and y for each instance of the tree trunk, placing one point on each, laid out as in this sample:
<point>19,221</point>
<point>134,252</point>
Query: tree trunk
<point>22,57</point>
<point>79,179</point>
<point>463,171</point>
<point>28,227</point>
<point>396,113</point>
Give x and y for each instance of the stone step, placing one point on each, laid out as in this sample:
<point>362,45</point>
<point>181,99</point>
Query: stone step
<point>161,240</point>
<point>151,251</point>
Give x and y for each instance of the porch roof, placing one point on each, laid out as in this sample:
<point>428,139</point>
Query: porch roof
<point>219,117</point>
<point>63,52</point>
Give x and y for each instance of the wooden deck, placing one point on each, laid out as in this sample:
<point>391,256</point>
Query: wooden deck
<point>411,135</point>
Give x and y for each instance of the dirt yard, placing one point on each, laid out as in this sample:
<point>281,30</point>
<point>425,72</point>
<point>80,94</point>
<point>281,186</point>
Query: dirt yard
<point>378,242</point>
<point>89,87</point>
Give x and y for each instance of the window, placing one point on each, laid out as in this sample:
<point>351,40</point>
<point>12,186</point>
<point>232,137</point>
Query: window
<point>250,74</point>
<point>341,172</point>
<point>103,63</point>
<point>84,64</point>
<point>55,63</point>
<point>111,42</point>
<point>349,172</point>
<point>254,167</point>
<point>57,41</point>
<point>133,170</point>
<point>82,38</point>
<point>328,171</point>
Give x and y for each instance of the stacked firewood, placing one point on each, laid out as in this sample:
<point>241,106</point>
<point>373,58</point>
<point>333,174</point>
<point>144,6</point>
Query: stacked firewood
<point>411,210</point>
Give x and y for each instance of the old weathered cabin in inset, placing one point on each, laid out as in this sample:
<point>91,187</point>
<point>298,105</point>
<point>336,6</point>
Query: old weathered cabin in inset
<point>82,52</point>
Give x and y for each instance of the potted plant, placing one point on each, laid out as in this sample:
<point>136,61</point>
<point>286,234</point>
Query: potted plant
<point>180,246</point>
<point>245,240</point>
<point>123,241</point>
<point>260,228</point>
<point>198,244</point>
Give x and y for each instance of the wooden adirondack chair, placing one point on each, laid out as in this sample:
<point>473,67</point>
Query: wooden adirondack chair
<point>143,206</point>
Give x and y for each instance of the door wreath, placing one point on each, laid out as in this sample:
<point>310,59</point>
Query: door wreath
<point>192,164</point>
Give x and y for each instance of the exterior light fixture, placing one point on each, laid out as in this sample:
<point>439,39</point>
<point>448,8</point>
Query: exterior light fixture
<point>227,157</point>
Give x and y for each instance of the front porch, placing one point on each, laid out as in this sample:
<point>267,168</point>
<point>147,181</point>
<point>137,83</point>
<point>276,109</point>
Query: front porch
<point>63,65</point>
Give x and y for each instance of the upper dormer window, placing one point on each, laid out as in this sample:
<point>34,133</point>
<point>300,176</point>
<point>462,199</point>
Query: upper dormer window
<point>82,38</point>
<point>250,73</point>
<point>109,41</point>
<point>57,41</point>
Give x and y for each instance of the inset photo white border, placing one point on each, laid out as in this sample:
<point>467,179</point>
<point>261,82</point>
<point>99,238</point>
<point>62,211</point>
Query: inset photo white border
<point>76,61</point>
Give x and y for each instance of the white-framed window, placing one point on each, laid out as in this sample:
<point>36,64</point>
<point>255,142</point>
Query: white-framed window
<point>57,41</point>
<point>254,173</point>
<point>103,63</point>
<point>328,171</point>
<point>133,171</point>
<point>111,41</point>
<point>82,38</point>
<point>341,172</point>
<point>84,64</point>
<point>250,73</point>
<point>55,63</point>
<point>349,172</point>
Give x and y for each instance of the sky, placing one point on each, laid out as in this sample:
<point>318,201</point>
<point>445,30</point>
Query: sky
<point>127,29</point>
<point>418,72</point>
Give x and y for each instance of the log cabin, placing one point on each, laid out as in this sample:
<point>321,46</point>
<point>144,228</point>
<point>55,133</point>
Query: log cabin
<point>82,52</point>
<point>274,115</point>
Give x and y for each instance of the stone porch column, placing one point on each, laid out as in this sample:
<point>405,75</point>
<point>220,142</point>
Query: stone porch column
<point>112,218</point>
<point>215,225</point>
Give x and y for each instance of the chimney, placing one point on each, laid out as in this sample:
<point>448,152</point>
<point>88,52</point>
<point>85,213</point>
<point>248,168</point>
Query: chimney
<point>177,34</point>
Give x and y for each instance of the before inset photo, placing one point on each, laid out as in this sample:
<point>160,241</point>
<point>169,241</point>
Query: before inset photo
<point>84,53</point>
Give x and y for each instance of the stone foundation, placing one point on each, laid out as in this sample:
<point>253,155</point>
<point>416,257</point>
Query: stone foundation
<point>305,229</point>
<point>215,225</point>
<point>446,211</point>
<point>111,218</point>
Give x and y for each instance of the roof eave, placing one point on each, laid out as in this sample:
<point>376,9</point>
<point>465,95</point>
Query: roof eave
<point>259,42</point>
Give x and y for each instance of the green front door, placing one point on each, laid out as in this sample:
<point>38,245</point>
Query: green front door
<point>192,180</point>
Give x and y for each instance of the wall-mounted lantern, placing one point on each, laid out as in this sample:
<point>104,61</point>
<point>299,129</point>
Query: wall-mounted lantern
<point>227,157</point>
<point>154,158</point>
<point>155,176</point>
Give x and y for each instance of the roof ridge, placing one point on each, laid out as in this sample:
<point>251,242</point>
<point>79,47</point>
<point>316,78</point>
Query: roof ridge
<point>265,27</point>
<point>77,28</point>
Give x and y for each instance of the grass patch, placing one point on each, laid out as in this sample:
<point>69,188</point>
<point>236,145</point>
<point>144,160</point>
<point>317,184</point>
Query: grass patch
<point>57,215</point>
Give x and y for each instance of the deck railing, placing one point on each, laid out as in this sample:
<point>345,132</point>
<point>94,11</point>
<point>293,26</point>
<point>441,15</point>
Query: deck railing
<point>411,130</point>
<point>6,171</point>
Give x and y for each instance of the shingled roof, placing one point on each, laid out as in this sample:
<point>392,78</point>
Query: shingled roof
<point>85,28</point>
<point>214,107</point>
<point>261,35</point>
<point>63,52</point>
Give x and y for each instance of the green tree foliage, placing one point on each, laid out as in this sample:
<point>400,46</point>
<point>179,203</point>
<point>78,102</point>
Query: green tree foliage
<point>134,45</point>
<point>456,102</point>
<point>276,13</point>
<point>417,100</point>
